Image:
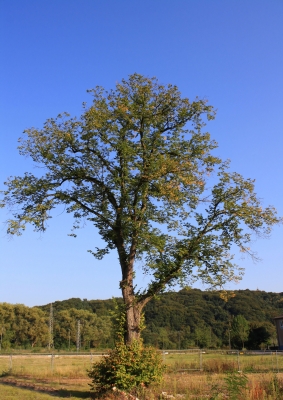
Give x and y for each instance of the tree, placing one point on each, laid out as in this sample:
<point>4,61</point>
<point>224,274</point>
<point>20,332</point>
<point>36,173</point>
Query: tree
<point>95,331</point>
<point>240,329</point>
<point>260,335</point>
<point>22,326</point>
<point>136,165</point>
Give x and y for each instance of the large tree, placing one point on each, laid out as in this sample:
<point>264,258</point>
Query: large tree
<point>136,165</point>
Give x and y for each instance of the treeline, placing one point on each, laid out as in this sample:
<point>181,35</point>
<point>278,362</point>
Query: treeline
<point>193,317</point>
<point>25,327</point>
<point>184,319</point>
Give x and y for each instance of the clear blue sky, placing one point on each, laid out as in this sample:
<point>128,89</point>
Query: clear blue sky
<point>230,52</point>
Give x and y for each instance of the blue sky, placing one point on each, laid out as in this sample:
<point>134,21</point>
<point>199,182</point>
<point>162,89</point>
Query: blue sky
<point>229,52</point>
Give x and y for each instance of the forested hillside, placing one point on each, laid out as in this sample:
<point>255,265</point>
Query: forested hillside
<point>188,318</point>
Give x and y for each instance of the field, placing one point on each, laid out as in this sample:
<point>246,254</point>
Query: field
<point>224,361</point>
<point>194,375</point>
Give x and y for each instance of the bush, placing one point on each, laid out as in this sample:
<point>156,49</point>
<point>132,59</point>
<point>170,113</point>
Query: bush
<point>127,367</point>
<point>235,385</point>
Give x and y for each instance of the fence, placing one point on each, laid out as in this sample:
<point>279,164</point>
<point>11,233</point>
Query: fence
<point>43,364</point>
<point>76,364</point>
<point>223,360</point>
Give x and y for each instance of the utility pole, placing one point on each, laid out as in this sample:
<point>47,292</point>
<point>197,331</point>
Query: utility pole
<point>229,337</point>
<point>229,332</point>
<point>50,344</point>
<point>69,337</point>
<point>1,338</point>
<point>78,336</point>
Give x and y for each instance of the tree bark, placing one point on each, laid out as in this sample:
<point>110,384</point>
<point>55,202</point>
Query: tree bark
<point>134,308</point>
<point>133,321</point>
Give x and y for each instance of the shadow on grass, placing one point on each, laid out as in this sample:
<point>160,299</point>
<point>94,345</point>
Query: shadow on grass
<point>79,394</point>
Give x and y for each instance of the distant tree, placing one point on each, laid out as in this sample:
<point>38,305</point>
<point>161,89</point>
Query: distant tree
<point>136,165</point>
<point>260,335</point>
<point>7,317</point>
<point>95,331</point>
<point>30,326</point>
<point>240,329</point>
<point>22,326</point>
<point>203,335</point>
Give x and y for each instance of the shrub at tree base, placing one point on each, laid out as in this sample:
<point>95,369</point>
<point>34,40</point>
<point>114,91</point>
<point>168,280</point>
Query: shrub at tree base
<point>127,367</point>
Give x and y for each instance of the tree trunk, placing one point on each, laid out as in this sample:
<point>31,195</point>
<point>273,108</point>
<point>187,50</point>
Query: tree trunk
<point>133,311</point>
<point>133,321</point>
<point>133,306</point>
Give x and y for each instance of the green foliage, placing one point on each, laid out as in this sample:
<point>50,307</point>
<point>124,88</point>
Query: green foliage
<point>5,373</point>
<point>126,367</point>
<point>25,327</point>
<point>137,161</point>
<point>95,331</point>
<point>235,385</point>
<point>136,165</point>
<point>240,329</point>
<point>184,319</point>
<point>275,387</point>
<point>259,336</point>
<point>22,326</point>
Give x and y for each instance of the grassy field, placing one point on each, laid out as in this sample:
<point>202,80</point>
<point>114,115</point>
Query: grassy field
<point>224,361</point>
<point>10,392</point>
<point>43,377</point>
<point>45,366</point>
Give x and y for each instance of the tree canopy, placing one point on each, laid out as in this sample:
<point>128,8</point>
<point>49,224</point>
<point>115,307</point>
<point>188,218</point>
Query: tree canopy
<point>240,329</point>
<point>173,320</point>
<point>137,165</point>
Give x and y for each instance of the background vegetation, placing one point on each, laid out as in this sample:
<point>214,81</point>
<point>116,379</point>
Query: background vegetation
<point>184,319</point>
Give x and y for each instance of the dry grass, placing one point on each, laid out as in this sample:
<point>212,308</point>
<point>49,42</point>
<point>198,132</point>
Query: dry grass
<point>223,362</point>
<point>16,391</point>
<point>40,377</point>
<point>44,366</point>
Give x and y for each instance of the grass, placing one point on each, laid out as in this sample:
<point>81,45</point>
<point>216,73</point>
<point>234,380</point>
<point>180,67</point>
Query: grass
<point>183,386</point>
<point>41,377</point>
<point>12,392</point>
<point>45,366</point>
<point>267,386</point>
<point>224,362</point>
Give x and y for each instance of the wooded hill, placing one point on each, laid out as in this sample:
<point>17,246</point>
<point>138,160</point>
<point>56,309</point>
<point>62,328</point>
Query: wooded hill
<point>188,318</point>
